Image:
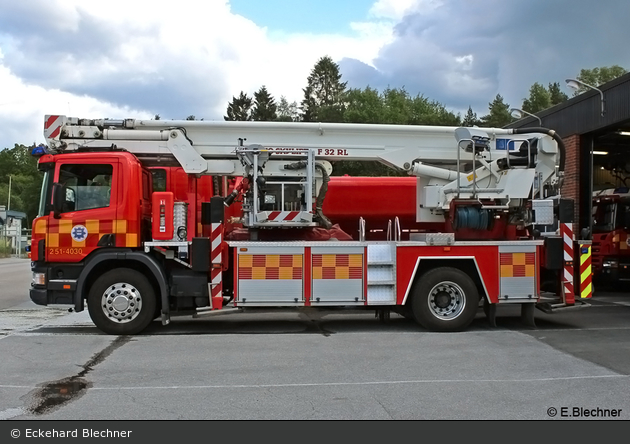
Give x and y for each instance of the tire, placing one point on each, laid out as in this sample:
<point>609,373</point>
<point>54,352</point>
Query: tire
<point>122,302</point>
<point>445,299</point>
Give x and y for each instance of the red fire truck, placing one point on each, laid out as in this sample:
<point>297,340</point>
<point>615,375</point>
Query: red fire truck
<point>611,242</point>
<point>146,219</point>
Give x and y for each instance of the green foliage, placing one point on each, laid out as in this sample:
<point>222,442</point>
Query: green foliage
<point>239,108</point>
<point>430,112</point>
<point>598,76</point>
<point>539,99</point>
<point>156,117</point>
<point>323,95</point>
<point>471,119</point>
<point>394,106</point>
<point>5,247</point>
<point>555,94</point>
<point>287,112</point>
<point>191,117</point>
<point>264,106</point>
<point>397,106</point>
<point>499,115</point>
<point>26,180</point>
<point>363,106</point>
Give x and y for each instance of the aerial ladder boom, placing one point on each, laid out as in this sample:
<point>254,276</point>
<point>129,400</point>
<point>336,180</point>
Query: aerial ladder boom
<point>503,164</point>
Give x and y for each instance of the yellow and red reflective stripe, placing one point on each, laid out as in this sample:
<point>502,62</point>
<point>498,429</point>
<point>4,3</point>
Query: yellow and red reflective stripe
<point>337,266</point>
<point>586,274</point>
<point>270,266</point>
<point>517,264</point>
<point>60,233</point>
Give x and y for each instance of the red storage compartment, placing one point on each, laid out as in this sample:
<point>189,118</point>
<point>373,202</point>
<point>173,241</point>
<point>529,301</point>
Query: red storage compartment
<point>162,215</point>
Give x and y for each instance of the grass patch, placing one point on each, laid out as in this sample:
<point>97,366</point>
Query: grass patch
<point>5,248</point>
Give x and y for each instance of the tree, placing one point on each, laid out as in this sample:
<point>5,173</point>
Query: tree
<point>239,108</point>
<point>499,115</point>
<point>555,94</point>
<point>397,106</point>
<point>156,117</point>
<point>430,112</point>
<point>25,180</point>
<point>264,106</point>
<point>363,106</point>
<point>191,117</point>
<point>471,118</point>
<point>597,76</point>
<point>287,112</point>
<point>324,92</point>
<point>539,99</point>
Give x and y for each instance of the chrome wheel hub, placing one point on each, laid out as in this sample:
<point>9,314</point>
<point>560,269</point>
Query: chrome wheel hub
<point>446,300</point>
<point>121,302</point>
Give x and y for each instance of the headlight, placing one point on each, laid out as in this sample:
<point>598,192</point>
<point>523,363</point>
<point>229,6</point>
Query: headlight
<point>610,264</point>
<point>39,278</point>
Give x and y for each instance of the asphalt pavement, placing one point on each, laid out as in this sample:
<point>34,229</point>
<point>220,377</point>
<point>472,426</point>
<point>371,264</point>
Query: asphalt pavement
<point>298,365</point>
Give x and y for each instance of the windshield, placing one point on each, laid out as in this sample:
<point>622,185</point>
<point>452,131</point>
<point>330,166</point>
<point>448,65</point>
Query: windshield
<point>46,191</point>
<point>609,216</point>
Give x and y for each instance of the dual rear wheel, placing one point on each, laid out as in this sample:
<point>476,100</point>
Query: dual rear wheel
<point>445,299</point>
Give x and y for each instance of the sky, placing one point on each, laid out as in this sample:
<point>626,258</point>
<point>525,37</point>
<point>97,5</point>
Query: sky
<point>137,58</point>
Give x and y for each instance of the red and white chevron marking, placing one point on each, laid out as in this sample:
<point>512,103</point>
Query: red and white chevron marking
<point>281,216</point>
<point>216,275</point>
<point>52,126</point>
<point>566,231</point>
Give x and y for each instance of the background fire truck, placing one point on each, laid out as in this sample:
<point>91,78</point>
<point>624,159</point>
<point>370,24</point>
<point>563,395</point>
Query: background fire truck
<point>611,242</point>
<point>146,219</point>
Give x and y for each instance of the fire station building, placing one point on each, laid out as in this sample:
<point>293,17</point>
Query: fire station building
<point>595,128</point>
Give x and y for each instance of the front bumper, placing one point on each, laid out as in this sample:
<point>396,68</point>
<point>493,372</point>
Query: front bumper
<point>46,291</point>
<point>39,296</point>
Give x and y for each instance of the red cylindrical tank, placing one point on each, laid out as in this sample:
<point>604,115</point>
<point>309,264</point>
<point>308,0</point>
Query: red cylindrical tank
<point>375,199</point>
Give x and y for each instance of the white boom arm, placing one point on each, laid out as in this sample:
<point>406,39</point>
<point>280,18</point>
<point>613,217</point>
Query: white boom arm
<point>203,147</point>
<point>394,145</point>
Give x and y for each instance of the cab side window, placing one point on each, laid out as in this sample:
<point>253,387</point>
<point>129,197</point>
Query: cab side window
<point>87,186</point>
<point>159,179</point>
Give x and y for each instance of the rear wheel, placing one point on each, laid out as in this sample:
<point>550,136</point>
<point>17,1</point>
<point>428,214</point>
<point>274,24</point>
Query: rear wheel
<point>445,299</point>
<point>122,302</point>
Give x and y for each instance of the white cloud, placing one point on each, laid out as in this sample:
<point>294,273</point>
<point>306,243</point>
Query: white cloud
<point>137,58</point>
<point>464,53</point>
<point>23,107</point>
<point>145,57</point>
<point>396,9</point>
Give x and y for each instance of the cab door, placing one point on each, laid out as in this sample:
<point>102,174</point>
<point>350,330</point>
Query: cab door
<point>88,216</point>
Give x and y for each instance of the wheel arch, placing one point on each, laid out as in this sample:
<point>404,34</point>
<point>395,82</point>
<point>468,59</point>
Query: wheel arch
<point>467,264</point>
<point>136,260</point>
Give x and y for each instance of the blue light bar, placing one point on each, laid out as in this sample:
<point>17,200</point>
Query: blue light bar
<point>39,151</point>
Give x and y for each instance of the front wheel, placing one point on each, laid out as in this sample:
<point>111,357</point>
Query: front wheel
<point>122,302</point>
<point>445,299</point>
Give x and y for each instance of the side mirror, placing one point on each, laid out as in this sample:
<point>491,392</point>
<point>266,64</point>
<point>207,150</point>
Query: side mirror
<point>58,199</point>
